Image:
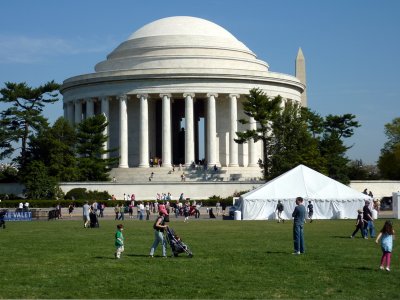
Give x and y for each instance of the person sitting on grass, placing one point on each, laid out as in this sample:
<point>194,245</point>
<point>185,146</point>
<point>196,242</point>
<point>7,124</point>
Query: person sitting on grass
<point>119,241</point>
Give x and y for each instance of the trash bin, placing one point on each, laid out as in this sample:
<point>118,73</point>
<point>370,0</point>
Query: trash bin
<point>238,215</point>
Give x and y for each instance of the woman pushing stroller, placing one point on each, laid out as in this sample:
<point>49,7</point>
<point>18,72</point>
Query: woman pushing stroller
<point>159,228</point>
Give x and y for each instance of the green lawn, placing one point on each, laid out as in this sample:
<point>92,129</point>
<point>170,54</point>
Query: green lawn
<point>232,260</point>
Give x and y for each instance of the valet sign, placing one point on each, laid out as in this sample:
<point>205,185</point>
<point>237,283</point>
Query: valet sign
<point>18,216</point>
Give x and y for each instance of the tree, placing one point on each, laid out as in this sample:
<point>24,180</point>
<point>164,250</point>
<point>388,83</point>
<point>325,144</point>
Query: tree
<point>25,113</point>
<point>332,148</point>
<point>283,132</point>
<point>389,160</point>
<point>38,184</point>
<point>56,147</point>
<point>264,110</point>
<point>90,147</point>
<point>292,144</point>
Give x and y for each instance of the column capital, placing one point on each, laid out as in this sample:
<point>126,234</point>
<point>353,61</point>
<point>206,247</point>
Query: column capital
<point>166,94</point>
<point>122,97</point>
<point>237,96</point>
<point>189,95</point>
<point>142,96</point>
<point>212,95</point>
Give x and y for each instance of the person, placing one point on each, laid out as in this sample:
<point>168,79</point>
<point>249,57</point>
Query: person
<point>141,211</point>
<point>197,211</point>
<point>217,207</point>
<point>26,206</point>
<point>130,210</point>
<point>119,241</point>
<point>86,217</point>
<point>386,236</point>
<point>279,210</point>
<point>359,224</point>
<point>310,209</point>
<point>101,208</point>
<point>299,215</point>
<point>368,220</point>
<point>147,207</point>
<point>186,210</point>
<point>121,212</point>
<point>159,227</point>
<point>70,210</point>
<point>116,210</point>
<point>223,206</point>
<point>183,178</point>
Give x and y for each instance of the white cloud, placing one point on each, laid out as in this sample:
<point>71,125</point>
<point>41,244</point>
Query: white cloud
<point>28,50</point>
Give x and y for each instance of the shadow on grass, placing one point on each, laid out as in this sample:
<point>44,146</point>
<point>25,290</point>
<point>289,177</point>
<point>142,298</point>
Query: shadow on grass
<point>276,252</point>
<point>362,268</point>
<point>104,257</point>
<point>347,237</point>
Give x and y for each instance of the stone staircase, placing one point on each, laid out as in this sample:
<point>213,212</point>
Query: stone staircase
<point>166,175</point>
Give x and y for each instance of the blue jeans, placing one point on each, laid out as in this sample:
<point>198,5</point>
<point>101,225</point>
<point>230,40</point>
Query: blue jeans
<point>369,227</point>
<point>298,238</point>
<point>159,238</point>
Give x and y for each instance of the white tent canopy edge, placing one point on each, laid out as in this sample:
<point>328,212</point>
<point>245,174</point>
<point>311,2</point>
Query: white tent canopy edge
<point>330,198</point>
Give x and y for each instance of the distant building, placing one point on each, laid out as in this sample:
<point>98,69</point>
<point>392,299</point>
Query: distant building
<point>157,86</point>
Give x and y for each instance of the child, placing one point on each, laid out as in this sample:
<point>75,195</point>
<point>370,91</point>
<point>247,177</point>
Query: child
<point>310,208</point>
<point>386,236</point>
<point>359,224</point>
<point>119,241</point>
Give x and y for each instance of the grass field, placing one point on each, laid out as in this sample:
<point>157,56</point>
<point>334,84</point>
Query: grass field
<point>232,260</point>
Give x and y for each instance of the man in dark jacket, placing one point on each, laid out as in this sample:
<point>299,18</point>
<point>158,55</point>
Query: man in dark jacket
<point>299,215</point>
<point>368,221</point>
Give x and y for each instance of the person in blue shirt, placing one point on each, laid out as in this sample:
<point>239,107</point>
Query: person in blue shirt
<point>299,215</point>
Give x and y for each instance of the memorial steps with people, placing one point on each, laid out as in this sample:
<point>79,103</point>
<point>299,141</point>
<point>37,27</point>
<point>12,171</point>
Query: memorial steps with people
<point>197,174</point>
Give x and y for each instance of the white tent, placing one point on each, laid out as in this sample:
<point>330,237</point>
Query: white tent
<point>331,199</point>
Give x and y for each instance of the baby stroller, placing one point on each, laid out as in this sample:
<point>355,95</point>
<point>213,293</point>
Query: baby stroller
<point>2,216</point>
<point>177,246</point>
<point>94,222</point>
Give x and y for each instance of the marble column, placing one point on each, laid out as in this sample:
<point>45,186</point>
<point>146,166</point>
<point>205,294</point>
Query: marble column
<point>89,107</point>
<point>105,110</point>
<point>71,113</point>
<point>144,132</point>
<point>166,130</point>
<point>233,146</point>
<point>189,129</point>
<point>78,111</point>
<point>65,109</point>
<point>123,132</point>
<point>252,146</point>
<point>211,130</point>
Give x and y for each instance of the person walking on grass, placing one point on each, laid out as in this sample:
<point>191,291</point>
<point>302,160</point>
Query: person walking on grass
<point>119,241</point>
<point>86,216</point>
<point>310,209</point>
<point>279,210</point>
<point>386,235</point>
<point>359,224</point>
<point>159,227</point>
<point>369,226</point>
<point>299,215</point>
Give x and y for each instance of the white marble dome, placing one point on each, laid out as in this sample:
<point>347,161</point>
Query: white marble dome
<point>183,45</point>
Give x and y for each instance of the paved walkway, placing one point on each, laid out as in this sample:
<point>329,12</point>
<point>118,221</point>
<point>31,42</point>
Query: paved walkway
<point>110,215</point>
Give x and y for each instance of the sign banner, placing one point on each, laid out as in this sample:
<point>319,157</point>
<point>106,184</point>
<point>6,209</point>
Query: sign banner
<point>18,216</point>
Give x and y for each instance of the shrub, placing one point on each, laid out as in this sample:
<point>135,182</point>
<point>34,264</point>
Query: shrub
<point>83,194</point>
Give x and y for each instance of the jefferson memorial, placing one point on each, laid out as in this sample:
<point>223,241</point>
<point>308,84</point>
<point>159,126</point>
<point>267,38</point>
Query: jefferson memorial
<point>174,90</point>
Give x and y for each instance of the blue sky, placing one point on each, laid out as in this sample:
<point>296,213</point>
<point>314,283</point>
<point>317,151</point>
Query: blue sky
<point>351,47</point>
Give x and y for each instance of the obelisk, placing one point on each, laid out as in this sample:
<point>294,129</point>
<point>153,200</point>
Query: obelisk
<point>301,75</point>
